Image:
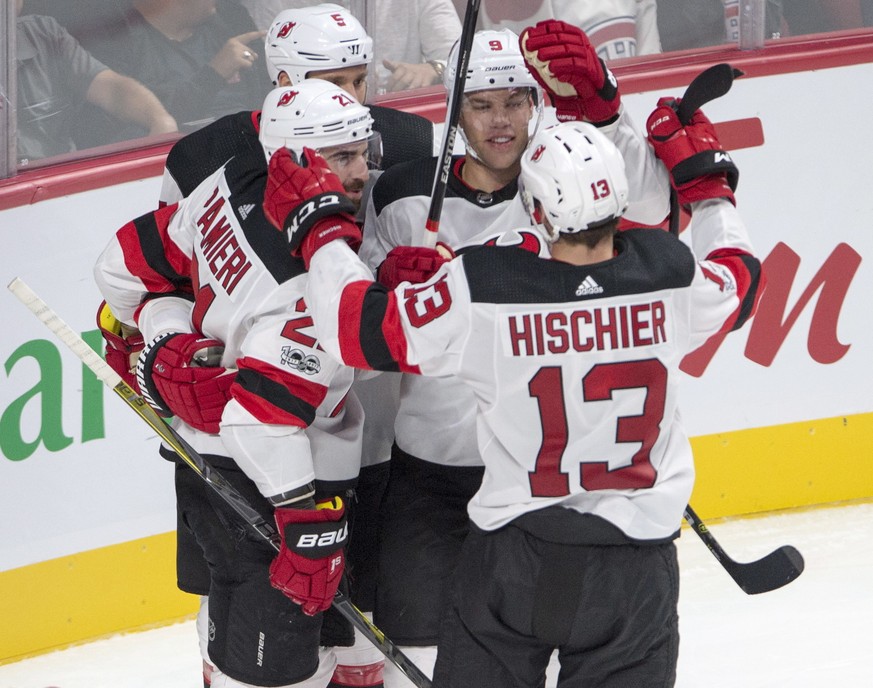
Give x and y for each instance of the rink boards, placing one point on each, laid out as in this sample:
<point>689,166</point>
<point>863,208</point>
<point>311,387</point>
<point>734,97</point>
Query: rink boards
<point>780,413</point>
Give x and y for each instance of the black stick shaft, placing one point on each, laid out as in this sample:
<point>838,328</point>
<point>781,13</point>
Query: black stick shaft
<point>441,178</point>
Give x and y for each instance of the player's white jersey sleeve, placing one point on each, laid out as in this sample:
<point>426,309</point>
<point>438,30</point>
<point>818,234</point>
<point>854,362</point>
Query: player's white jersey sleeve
<point>122,273</point>
<point>648,179</point>
<point>719,293</point>
<point>416,328</point>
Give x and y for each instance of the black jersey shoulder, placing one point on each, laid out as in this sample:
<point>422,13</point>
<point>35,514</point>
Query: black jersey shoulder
<point>199,154</point>
<point>415,178</point>
<point>405,136</point>
<point>247,184</point>
<point>412,178</point>
<point>648,260</point>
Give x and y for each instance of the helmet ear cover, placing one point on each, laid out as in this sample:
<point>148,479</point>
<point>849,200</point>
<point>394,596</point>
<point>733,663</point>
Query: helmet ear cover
<point>318,38</point>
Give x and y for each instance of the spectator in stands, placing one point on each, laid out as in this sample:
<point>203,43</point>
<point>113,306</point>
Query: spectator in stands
<point>617,28</point>
<point>685,24</point>
<point>198,62</point>
<point>817,16</point>
<point>55,75</point>
<point>412,37</point>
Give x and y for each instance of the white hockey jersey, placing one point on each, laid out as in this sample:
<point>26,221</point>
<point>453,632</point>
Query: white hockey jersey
<point>436,417</point>
<point>575,369</point>
<point>217,248</point>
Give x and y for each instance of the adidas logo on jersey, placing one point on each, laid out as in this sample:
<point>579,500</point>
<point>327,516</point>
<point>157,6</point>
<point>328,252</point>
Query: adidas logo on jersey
<point>244,210</point>
<point>588,287</point>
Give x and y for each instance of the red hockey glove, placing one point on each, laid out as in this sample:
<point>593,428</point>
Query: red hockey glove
<point>561,58</point>
<point>175,375</point>
<point>409,264</point>
<point>699,167</point>
<point>310,562</point>
<point>123,344</point>
<point>308,202</point>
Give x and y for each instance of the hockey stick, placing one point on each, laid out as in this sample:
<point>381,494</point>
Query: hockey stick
<point>710,84</point>
<point>441,179</point>
<point>213,478</point>
<point>778,568</point>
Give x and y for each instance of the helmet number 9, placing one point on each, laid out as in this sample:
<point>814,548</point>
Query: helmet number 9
<point>495,45</point>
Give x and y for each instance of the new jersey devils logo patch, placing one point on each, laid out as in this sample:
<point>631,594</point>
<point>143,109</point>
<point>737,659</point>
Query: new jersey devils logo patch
<point>538,153</point>
<point>287,28</point>
<point>527,241</point>
<point>287,98</point>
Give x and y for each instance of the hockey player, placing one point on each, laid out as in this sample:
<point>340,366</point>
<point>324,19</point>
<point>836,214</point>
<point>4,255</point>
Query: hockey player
<point>216,250</point>
<point>574,365</point>
<point>435,465</point>
<point>327,42</point>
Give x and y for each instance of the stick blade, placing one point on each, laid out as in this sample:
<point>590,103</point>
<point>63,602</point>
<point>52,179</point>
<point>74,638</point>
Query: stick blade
<point>772,572</point>
<point>710,84</point>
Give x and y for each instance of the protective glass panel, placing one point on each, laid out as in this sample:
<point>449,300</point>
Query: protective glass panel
<point>100,76</point>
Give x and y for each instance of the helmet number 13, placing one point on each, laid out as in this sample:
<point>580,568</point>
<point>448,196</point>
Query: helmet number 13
<point>600,189</point>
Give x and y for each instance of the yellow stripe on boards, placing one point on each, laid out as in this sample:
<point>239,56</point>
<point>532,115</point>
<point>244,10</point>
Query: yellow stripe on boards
<point>785,466</point>
<point>132,586</point>
<point>63,601</point>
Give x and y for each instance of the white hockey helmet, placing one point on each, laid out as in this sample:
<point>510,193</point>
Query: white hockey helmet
<point>314,114</point>
<point>574,176</point>
<point>317,38</point>
<point>495,62</point>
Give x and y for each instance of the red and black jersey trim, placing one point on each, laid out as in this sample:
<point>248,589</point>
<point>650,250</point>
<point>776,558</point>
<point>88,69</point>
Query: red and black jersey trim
<point>274,396</point>
<point>152,256</point>
<point>154,244</point>
<point>750,281</point>
<point>366,303</point>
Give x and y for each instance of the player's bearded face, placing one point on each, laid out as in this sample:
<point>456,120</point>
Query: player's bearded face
<point>349,163</point>
<point>495,124</point>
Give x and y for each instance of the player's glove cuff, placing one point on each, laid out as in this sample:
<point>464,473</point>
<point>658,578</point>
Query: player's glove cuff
<point>304,218</point>
<point>144,380</point>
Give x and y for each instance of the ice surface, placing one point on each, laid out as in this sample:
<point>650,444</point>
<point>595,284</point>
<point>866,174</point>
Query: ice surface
<point>814,633</point>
